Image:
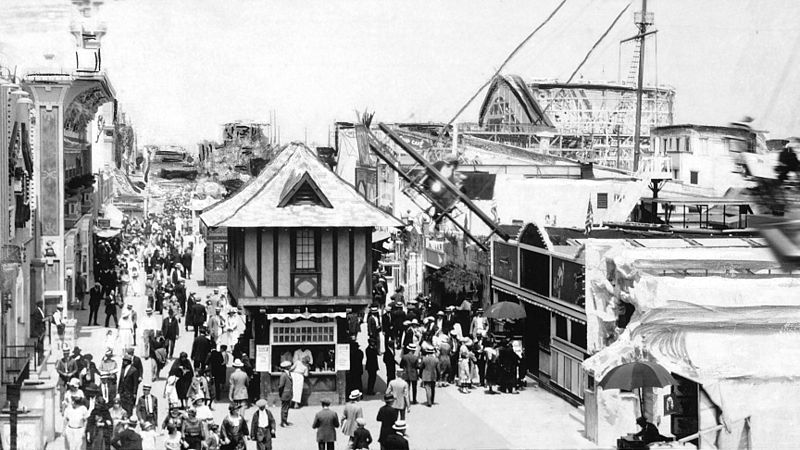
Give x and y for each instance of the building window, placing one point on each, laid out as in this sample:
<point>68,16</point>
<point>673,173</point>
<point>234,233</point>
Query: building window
<point>693,176</point>
<point>675,174</point>
<point>602,200</point>
<point>561,327</point>
<point>578,335</point>
<point>305,256</point>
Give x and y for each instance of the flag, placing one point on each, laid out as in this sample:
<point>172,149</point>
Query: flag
<point>589,219</point>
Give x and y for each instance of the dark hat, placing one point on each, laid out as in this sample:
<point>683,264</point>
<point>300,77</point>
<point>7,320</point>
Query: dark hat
<point>233,406</point>
<point>388,398</point>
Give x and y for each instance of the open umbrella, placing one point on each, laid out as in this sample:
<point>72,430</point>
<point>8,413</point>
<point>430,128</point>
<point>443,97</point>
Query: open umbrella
<point>637,375</point>
<point>506,310</point>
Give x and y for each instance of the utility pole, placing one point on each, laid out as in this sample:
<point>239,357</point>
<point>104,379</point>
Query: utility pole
<point>642,23</point>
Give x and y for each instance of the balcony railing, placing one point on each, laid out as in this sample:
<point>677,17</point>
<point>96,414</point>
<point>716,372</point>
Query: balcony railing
<point>16,363</point>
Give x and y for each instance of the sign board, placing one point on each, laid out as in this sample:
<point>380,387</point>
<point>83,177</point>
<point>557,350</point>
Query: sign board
<point>263,358</point>
<point>342,356</point>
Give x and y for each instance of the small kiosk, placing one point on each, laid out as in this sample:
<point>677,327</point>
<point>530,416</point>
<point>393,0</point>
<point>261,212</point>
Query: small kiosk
<point>299,260</point>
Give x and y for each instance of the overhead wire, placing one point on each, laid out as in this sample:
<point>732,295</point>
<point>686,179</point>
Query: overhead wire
<point>588,54</point>
<point>499,69</point>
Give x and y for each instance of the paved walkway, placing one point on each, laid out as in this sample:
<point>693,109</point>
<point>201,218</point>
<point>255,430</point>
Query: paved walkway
<point>532,419</point>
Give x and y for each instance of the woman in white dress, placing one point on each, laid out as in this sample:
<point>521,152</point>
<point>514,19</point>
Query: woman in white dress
<point>126,328</point>
<point>299,372</point>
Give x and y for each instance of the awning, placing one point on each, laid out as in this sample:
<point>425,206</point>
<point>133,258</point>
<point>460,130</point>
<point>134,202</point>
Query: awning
<point>114,215</point>
<point>306,315</point>
<point>378,236</point>
<point>105,234</point>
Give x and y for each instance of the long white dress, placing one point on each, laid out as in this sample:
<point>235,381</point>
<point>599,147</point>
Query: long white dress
<point>125,338</point>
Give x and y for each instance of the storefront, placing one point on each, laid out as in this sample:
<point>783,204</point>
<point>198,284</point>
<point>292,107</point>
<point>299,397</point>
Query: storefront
<point>549,283</point>
<point>318,339</point>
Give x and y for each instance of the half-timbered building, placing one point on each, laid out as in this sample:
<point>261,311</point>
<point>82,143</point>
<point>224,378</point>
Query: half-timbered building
<point>299,252</point>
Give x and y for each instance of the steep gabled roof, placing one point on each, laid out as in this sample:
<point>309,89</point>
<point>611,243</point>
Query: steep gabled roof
<point>258,203</point>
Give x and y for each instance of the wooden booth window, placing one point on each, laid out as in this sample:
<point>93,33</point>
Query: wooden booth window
<point>305,339</point>
<point>305,250</point>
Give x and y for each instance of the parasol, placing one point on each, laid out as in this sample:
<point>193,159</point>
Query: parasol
<point>506,310</point>
<point>638,374</point>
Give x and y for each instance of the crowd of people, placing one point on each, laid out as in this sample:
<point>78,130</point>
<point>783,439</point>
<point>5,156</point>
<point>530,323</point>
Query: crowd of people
<point>100,400</point>
<point>107,402</point>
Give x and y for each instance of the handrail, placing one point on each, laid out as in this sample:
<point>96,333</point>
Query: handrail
<point>690,437</point>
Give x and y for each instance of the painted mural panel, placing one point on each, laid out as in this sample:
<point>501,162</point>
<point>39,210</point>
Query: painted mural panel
<point>49,209</point>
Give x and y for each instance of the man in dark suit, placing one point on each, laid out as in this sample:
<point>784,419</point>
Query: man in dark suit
<point>170,329</point>
<point>262,426</point>
<point>39,328</point>
<point>373,323</point>
<point>95,298</point>
<point>128,380</point>
<point>147,406</point>
<point>198,316</point>
<point>397,440</point>
<point>136,362</point>
<point>128,438</point>
<point>201,347</point>
<point>326,422</point>
<point>215,362</point>
<point>387,416</point>
<point>430,373</point>
<point>285,387</point>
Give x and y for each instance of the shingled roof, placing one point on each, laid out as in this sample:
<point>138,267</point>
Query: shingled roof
<point>259,202</point>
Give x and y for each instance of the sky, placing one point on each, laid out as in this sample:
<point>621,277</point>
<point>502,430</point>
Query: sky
<point>181,68</point>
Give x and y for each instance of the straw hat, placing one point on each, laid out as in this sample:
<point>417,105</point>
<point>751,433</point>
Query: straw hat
<point>355,394</point>
<point>286,364</point>
<point>238,363</point>
<point>74,382</point>
<point>261,403</point>
<point>400,425</point>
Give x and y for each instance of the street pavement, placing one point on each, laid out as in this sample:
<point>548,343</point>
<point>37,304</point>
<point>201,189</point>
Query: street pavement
<point>531,419</point>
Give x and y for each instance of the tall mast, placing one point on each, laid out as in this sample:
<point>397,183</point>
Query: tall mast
<point>642,22</point>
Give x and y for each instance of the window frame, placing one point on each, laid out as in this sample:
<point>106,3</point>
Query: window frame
<point>694,177</point>
<point>604,203</point>
<point>315,249</point>
<point>276,332</point>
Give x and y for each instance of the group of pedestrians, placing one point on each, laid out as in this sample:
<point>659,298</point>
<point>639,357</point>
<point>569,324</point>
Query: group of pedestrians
<point>106,402</point>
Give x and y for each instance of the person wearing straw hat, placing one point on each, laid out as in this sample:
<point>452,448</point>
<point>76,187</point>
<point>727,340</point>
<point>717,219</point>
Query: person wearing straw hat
<point>262,426</point>
<point>361,436</point>
<point>67,368</point>
<point>285,389</point>
<point>128,438</point>
<point>147,405</point>
<point>326,422</point>
<point>397,439</point>
<point>237,384</point>
<point>409,363</point>
<point>352,412</point>
<point>430,373</point>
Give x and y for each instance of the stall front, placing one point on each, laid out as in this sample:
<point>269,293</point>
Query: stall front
<point>319,341</point>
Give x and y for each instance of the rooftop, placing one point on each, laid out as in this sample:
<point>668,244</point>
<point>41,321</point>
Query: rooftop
<point>297,174</point>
